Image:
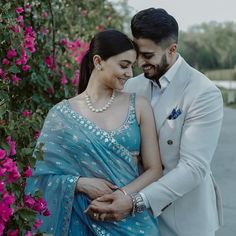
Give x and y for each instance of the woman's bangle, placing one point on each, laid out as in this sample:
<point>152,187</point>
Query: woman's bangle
<point>123,191</point>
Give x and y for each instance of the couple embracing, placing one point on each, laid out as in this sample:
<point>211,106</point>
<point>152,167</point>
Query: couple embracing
<point>132,156</point>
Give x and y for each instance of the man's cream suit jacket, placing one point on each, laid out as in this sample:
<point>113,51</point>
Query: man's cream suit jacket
<point>187,145</point>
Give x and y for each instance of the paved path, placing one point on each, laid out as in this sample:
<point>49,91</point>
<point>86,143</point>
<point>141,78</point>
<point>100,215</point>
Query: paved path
<point>224,170</point>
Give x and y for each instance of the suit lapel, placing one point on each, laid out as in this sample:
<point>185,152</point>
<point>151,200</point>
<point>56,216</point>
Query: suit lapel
<point>170,98</point>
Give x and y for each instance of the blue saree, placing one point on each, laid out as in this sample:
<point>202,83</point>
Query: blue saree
<point>75,146</point>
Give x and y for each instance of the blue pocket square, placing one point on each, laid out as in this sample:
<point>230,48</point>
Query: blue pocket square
<point>174,114</point>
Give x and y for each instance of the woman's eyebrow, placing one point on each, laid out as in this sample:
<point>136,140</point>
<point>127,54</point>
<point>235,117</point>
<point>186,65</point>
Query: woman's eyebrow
<point>127,61</point>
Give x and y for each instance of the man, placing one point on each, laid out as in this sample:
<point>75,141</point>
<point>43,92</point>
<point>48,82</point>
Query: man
<point>188,112</point>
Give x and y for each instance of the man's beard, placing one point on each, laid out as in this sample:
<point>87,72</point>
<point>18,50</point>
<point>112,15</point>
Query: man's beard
<point>160,69</point>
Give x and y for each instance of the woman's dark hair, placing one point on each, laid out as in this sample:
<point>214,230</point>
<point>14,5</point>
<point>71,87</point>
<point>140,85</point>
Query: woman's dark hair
<point>155,24</point>
<point>106,44</point>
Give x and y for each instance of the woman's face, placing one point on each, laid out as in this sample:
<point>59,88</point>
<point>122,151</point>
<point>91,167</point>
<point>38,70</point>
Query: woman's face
<point>118,69</point>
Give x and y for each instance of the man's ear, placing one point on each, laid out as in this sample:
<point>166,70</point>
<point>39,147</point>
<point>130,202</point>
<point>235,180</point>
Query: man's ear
<point>172,48</point>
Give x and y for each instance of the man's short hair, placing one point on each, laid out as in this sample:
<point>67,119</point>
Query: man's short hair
<point>155,24</point>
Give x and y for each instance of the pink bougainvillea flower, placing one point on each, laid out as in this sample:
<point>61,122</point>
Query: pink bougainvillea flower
<point>8,199</point>
<point>63,80</point>
<point>1,72</point>
<point>5,61</point>
<point>45,15</point>
<point>40,205</point>
<point>3,153</point>
<point>50,90</point>
<point>28,233</point>
<point>12,145</point>
<point>24,56</point>
<point>13,176</point>
<point>2,185</point>
<point>20,19</point>
<point>19,10</point>
<point>49,62</point>
<point>18,62</point>
<point>2,227</point>
<point>75,81</point>
<point>8,163</point>
<point>13,232</point>
<point>27,6</point>
<point>28,172</point>
<point>47,212</point>
<point>2,171</point>
<point>63,41</point>
<point>31,48</point>
<point>36,134</point>
<point>29,201</point>
<point>6,211</point>
<point>29,39</point>
<point>11,53</point>
<point>26,113</point>
<point>78,42</point>
<point>37,223</point>
<point>15,79</point>
<point>29,30</point>
<point>15,29</point>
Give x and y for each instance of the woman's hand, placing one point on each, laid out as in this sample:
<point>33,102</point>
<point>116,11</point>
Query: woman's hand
<point>110,207</point>
<point>94,187</point>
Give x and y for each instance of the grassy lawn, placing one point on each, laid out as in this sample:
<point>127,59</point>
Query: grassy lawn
<point>224,74</point>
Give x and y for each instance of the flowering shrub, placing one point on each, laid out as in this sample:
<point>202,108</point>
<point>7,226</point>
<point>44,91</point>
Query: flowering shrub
<point>39,66</point>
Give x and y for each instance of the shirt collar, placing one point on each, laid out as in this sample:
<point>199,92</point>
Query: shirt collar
<point>169,75</point>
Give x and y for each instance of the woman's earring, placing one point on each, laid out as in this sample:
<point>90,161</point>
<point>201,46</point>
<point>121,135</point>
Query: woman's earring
<point>99,67</point>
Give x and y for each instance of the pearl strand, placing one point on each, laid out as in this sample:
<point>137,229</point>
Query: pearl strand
<point>104,108</point>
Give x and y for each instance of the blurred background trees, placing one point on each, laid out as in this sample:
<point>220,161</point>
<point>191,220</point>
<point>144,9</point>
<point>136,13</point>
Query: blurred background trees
<point>210,46</point>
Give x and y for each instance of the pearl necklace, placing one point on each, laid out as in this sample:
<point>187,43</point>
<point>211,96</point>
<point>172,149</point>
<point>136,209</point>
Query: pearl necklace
<point>104,108</point>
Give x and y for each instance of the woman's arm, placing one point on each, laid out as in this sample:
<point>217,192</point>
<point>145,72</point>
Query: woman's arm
<point>94,187</point>
<point>150,152</point>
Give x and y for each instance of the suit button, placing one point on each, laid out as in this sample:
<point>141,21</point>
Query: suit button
<point>170,142</point>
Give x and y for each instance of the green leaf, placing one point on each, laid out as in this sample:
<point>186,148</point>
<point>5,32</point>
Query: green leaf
<point>26,151</point>
<point>14,69</point>
<point>38,152</point>
<point>26,214</point>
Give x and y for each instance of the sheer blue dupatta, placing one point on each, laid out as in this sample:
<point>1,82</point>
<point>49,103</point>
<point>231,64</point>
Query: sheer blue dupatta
<point>75,146</point>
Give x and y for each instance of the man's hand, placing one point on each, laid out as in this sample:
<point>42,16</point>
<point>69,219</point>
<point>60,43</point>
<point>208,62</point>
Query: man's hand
<point>94,187</point>
<point>110,207</point>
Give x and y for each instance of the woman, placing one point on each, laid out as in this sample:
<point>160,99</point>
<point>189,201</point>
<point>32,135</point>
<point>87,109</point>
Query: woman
<point>92,143</point>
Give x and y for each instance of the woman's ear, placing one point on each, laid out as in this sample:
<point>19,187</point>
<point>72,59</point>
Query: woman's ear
<point>97,62</point>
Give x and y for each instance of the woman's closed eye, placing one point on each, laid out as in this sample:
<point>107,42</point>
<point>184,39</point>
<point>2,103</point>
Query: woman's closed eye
<point>124,66</point>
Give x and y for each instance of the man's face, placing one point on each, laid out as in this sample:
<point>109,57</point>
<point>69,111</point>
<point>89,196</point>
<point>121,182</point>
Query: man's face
<point>152,58</point>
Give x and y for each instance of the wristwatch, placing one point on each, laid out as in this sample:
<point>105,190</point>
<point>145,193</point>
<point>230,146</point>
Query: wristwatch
<point>138,203</point>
